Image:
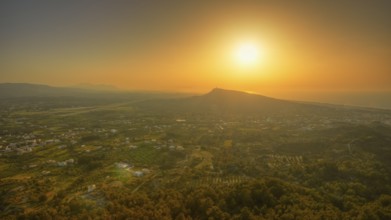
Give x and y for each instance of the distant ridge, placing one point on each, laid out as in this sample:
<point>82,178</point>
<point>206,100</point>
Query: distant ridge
<point>222,101</point>
<point>98,87</point>
<point>228,97</point>
<point>14,90</point>
<point>217,101</point>
<point>27,91</point>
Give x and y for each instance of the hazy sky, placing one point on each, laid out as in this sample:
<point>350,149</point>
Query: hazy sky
<point>306,46</point>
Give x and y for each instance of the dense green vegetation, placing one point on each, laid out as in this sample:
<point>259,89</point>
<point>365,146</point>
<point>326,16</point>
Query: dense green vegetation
<point>119,161</point>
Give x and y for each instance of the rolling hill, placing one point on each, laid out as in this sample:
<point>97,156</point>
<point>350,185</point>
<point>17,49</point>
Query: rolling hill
<point>221,101</point>
<point>27,91</point>
<point>217,101</point>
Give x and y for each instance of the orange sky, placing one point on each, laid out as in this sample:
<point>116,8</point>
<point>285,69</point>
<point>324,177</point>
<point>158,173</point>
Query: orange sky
<point>309,46</point>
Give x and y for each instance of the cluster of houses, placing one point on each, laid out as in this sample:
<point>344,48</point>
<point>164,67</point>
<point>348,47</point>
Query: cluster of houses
<point>61,163</point>
<point>65,163</point>
<point>169,147</point>
<point>25,143</point>
<point>130,168</point>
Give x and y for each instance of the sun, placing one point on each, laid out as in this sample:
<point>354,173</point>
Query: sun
<point>247,54</point>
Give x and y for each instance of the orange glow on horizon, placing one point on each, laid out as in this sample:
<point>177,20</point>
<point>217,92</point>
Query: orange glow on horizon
<point>245,46</point>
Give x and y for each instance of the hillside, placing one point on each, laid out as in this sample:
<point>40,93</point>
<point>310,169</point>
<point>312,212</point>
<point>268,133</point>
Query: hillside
<point>241,154</point>
<point>15,90</point>
<point>73,96</point>
<point>221,101</point>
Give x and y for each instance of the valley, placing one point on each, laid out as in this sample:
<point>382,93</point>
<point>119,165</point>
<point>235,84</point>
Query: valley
<point>220,160</point>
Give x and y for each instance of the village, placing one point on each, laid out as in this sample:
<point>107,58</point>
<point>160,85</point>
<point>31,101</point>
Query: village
<point>87,153</point>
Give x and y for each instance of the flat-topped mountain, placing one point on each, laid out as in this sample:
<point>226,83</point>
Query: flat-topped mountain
<point>217,101</point>
<point>221,101</point>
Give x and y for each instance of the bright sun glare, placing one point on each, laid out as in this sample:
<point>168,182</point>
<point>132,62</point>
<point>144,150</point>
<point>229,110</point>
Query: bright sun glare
<point>247,54</point>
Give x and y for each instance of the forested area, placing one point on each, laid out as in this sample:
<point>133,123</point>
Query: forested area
<point>119,162</point>
<point>268,198</point>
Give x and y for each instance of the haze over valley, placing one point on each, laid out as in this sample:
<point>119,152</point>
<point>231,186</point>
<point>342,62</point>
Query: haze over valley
<point>195,109</point>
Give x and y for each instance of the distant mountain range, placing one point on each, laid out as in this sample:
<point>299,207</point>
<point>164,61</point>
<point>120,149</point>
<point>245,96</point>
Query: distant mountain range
<point>14,90</point>
<point>218,100</point>
<point>221,101</point>
<point>99,87</point>
<point>86,91</point>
